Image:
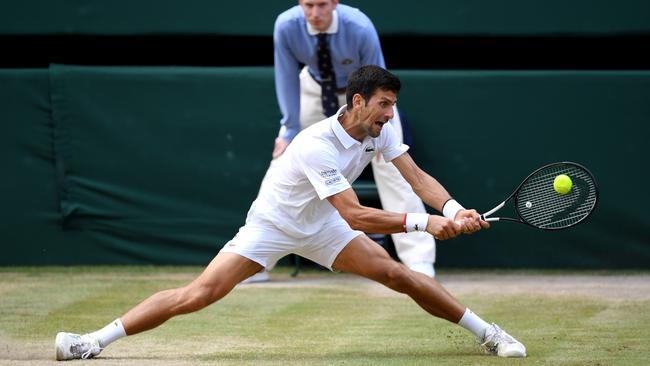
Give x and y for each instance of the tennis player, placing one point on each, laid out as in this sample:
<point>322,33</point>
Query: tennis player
<point>308,207</point>
<point>332,40</point>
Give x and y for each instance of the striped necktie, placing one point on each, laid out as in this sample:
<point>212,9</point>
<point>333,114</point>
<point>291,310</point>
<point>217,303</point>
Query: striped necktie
<point>328,80</point>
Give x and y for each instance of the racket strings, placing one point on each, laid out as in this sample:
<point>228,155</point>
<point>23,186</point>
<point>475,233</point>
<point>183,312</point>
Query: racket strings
<point>549,209</point>
<point>539,204</point>
<point>553,211</point>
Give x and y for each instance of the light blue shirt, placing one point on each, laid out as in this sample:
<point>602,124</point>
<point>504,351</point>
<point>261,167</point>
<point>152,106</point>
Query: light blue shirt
<point>353,43</point>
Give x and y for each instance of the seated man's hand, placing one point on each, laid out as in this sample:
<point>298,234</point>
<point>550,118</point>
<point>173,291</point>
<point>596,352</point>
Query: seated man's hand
<point>280,145</point>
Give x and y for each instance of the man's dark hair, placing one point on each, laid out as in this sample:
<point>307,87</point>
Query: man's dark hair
<point>366,80</point>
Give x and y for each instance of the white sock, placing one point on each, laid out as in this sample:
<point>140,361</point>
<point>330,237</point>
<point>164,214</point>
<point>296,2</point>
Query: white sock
<point>473,323</point>
<point>110,333</point>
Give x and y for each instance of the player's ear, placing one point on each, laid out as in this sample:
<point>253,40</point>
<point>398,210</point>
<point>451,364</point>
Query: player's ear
<point>357,100</point>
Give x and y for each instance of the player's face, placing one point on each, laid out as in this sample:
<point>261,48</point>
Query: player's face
<point>377,111</point>
<point>319,12</point>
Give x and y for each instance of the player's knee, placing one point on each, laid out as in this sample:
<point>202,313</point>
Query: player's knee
<point>397,277</point>
<point>196,297</point>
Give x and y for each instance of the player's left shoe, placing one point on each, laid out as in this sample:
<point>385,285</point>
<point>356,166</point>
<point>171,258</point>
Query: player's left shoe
<point>497,342</point>
<point>70,346</point>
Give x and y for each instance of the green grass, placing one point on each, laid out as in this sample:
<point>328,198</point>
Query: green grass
<point>317,319</point>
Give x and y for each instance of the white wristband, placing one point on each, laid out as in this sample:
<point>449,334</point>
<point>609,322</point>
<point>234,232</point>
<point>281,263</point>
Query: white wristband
<point>451,208</point>
<point>416,222</point>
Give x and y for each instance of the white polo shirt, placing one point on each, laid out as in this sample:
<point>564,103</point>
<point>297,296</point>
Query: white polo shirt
<point>321,161</point>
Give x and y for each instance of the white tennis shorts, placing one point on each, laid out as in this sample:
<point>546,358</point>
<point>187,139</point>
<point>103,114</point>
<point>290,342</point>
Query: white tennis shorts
<point>262,242</point>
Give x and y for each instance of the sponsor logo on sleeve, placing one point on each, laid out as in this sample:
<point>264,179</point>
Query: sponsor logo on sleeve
<point>331,176</point>
<point>328,173</point>
<point>333,180</point>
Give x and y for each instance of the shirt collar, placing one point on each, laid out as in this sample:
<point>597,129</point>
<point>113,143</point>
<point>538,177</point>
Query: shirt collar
<point>346,140</point>
<point>333,28</point>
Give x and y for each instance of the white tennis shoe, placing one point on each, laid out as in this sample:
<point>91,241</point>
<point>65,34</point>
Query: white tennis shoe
<point>497,342</point>
<point>70,346</point>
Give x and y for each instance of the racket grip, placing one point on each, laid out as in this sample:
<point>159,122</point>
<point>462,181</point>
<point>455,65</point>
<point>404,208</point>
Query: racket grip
<point>488,219</point>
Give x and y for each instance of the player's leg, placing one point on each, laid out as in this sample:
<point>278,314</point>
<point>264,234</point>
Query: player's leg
<point>364,257</point>
<point>255,245</point>
<point>224,272</point>
<point>337,247</point>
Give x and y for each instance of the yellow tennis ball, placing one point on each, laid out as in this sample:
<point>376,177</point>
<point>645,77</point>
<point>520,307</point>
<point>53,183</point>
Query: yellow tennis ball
<point>562,184</point>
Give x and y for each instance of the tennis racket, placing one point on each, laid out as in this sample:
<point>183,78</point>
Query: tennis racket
<point>537,204</point>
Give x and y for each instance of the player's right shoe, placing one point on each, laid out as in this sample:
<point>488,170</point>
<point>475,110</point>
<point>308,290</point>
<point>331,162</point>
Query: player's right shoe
<point>497,342</point>
<point>70,346</point>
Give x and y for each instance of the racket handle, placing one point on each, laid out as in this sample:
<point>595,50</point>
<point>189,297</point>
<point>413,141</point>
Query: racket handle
<point>489,218</point>
<point>484,219</point>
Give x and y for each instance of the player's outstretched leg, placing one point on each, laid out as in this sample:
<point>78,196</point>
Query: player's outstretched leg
<point>224,272</point>
<point>366,258</point>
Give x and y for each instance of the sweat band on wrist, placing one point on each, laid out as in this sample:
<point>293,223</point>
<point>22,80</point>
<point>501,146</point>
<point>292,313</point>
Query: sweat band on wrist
<point>451,208</point>
<point>416,222</point>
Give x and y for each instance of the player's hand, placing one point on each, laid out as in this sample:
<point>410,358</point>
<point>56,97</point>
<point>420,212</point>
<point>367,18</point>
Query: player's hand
<point>443,228</point>
<point>470,221</point>
<point>280,145</point>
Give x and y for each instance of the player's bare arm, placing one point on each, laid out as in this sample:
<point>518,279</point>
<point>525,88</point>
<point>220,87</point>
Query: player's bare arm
<point>434,194</point>
<point>372,220</point>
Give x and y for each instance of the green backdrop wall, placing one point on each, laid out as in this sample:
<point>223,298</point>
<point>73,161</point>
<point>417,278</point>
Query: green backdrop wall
<point>159,165</point>
<point>441,17</point>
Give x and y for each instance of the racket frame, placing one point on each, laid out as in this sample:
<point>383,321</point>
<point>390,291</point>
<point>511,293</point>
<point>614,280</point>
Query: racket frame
<point>496,208</point>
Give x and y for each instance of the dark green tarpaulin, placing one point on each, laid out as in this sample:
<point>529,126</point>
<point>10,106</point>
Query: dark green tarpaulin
<point>167,158</point>
<point>159,165</point>
<point>483,132</point>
